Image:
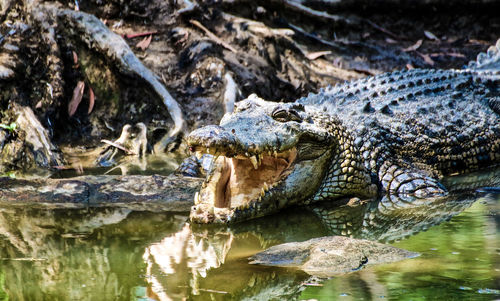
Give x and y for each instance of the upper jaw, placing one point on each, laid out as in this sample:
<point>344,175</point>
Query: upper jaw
<point>253,156</point>
<point>241,186</point>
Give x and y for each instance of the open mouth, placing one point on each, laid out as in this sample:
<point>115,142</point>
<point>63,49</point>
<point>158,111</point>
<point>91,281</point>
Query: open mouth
<point>240,183</point>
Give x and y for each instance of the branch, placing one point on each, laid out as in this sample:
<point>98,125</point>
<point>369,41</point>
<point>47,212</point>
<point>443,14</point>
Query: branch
<point>213,36</point>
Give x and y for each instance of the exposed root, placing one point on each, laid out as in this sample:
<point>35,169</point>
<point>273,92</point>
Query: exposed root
<point>230,93</point>
<point>132,141</point>
<point>55,85</point>
<point>32,140</point>
<point>97,36</point>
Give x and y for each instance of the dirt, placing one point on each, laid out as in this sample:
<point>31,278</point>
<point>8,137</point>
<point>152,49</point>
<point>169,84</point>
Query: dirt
<point>269,48</point>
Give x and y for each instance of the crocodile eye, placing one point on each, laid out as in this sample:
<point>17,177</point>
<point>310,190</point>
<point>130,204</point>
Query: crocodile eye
<point>283,115</point>
<point>280,115</point>
<point>294,116</point>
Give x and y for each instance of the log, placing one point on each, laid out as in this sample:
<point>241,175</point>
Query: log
<point>143,193</point>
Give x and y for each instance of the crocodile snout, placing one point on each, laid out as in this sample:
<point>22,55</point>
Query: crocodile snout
<point>213,137</point>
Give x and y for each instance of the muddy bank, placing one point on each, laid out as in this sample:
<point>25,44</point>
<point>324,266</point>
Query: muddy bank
<point>84,72</point>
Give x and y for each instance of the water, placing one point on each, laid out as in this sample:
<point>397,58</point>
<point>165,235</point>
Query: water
<point>119,254</point>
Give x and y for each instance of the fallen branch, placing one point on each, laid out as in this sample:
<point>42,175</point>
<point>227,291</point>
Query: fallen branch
<point>133,141</point>
<point>213,36</point>
<point>389,33</point>
<point>332,44</point>
<point>118,146</point>
<point>298,7</point>
<point>256,27</point>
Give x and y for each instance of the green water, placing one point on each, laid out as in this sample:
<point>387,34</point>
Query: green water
<point>460,260</point>
<point>118,254</point>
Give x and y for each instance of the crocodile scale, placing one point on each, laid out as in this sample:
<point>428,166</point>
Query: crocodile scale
<point>396,133</point>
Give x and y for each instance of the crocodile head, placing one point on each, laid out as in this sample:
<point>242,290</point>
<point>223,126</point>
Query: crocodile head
<point>266,156</point>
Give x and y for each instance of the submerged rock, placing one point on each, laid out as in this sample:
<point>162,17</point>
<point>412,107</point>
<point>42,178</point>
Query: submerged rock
<point>330,255</point>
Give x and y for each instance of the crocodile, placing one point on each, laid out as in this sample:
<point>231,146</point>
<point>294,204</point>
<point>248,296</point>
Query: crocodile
<point>396,133</point>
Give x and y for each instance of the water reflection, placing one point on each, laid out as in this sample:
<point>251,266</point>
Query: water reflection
<point>102,254</point>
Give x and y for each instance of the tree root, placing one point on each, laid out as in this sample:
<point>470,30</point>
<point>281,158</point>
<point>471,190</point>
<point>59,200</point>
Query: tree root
<point>230,93</point>
<point>143,193</point>
<point>97,36</point>
<point>29,143</point>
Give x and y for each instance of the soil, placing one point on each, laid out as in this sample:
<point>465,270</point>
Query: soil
<point>280,50</point>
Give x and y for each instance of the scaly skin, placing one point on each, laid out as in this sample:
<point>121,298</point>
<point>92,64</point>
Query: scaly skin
<point>393,134</point>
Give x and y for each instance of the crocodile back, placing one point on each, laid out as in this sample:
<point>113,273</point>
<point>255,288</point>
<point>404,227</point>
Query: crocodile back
<point>444,119</point>
<point>487,64</point>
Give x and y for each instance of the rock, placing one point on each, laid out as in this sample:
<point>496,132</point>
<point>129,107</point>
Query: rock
<point>330,255</point>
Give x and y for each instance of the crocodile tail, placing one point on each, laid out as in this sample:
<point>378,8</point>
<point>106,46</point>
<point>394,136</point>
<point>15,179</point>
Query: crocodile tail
<point>487,65</point>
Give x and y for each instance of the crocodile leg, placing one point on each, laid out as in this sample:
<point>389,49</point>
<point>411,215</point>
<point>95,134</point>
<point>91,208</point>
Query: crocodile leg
<point>397,180</point>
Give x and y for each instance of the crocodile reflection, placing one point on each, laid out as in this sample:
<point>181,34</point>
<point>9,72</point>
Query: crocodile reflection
<point>384,220</point>
<point>121,254</point>
<point>76,254</point>
<point>394,218</point>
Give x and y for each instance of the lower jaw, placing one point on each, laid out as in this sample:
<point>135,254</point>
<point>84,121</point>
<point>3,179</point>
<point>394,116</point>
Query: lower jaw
<point>208,214</point>
<point>236,188</point>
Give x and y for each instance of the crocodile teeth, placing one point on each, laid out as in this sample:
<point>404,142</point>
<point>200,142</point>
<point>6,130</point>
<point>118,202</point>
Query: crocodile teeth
<point>211,150</point>
<point>198,154</point>
<point>197,198</point>
<point>266,188</point>
<point>259,159</point>
<point>262,192</point>
<point>254,161</point>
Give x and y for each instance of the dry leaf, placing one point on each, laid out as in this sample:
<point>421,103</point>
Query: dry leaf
<point>91,99</point>
<point>427,58</point>
<point>413,47</point>
<point>409,66</point>
<point>140,34</point>
<point>314,55</point>
<point>430,35</point>
<point>144,44</point>
<point>76,99</point>
<point>75,60</point>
